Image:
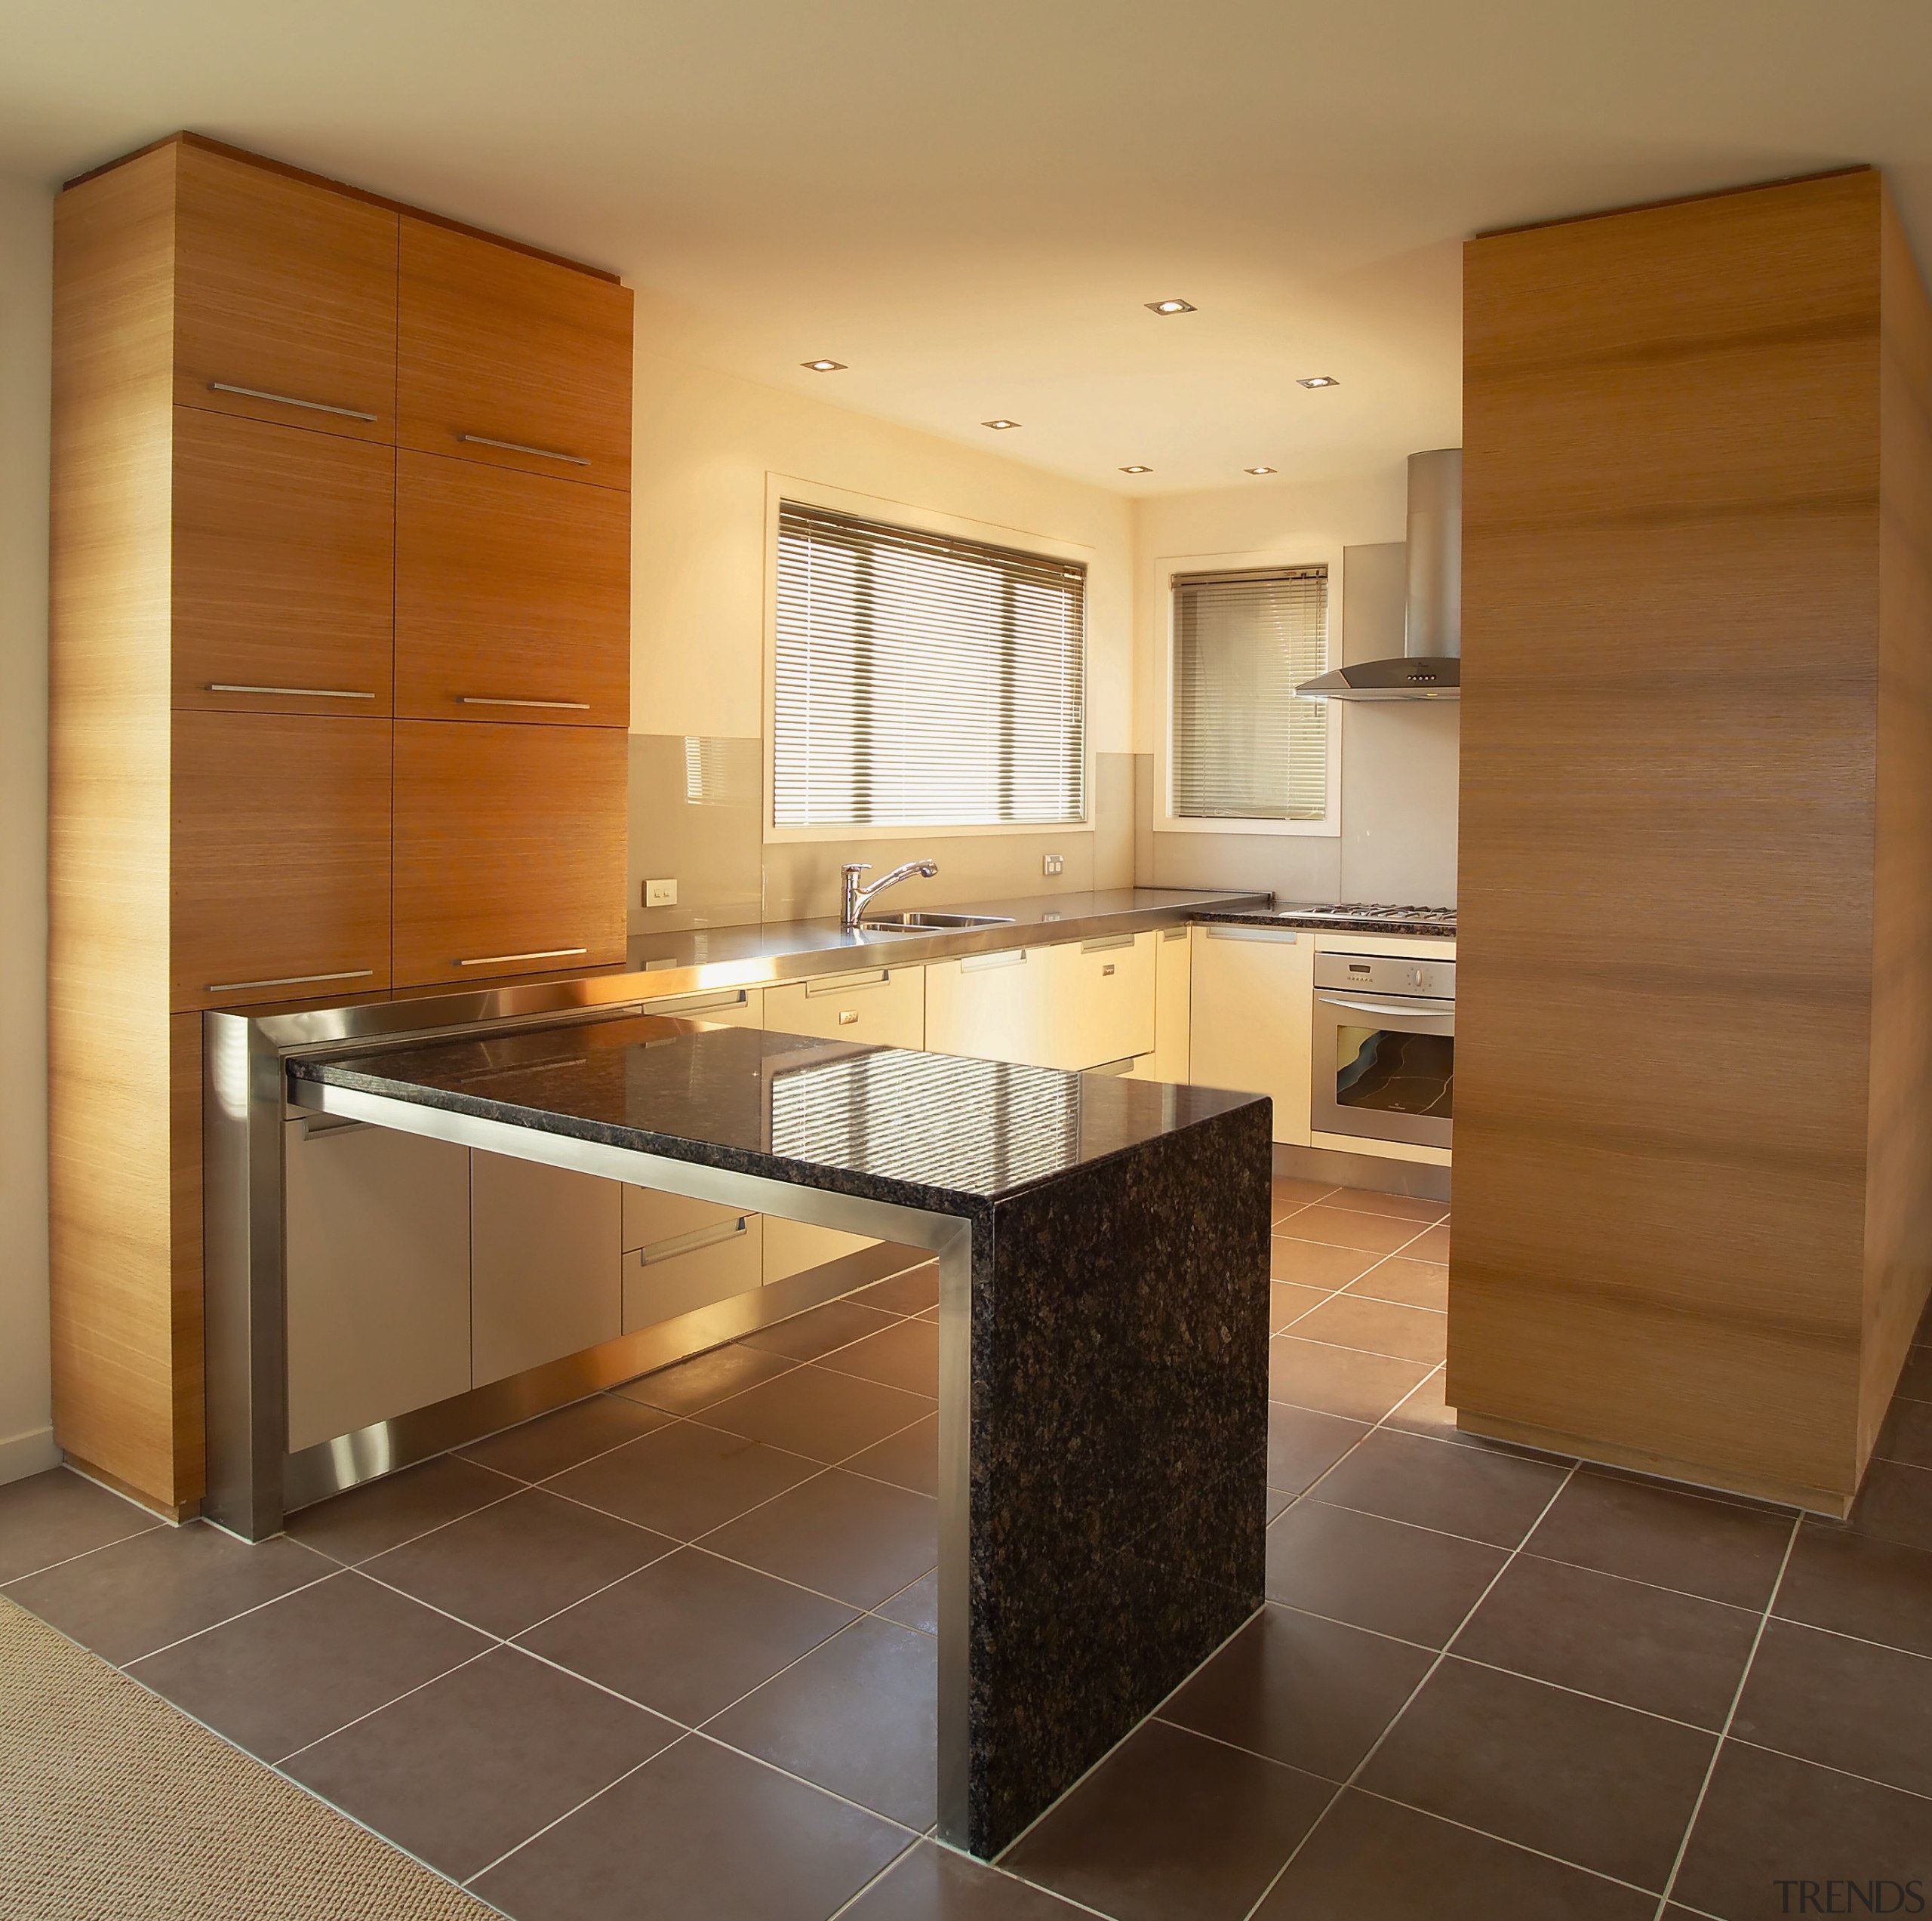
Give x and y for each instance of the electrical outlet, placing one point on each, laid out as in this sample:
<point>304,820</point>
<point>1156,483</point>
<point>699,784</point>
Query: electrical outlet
<point>1052,864</point>
<point>660,894</point>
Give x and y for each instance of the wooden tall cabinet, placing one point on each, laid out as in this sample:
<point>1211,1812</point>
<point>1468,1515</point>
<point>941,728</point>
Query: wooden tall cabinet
<point>339,663</point>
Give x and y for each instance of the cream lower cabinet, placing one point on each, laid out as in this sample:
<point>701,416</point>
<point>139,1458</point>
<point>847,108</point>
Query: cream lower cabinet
<point>1251,1002</point>
<point>1099,1001</point>
<point>883,1006</point>
<point>996,1006</point>
<point>377,1227</point>
<point>681,1254</point>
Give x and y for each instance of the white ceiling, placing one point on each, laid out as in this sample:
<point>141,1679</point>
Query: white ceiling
<point>969,203</point>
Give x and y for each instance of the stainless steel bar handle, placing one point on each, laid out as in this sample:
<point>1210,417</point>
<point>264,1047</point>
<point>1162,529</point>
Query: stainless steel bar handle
<point>517,447</point>
<point>287,980</point>
<point>1409,1013</point>
<point>541,953</point>
<point>289,400</point>
<point>491,700</point>
<point>1280,936</point>
<point>301,693</point>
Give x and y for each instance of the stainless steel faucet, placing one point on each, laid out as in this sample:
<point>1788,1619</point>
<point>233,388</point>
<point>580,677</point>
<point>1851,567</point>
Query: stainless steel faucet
<point>857,899</point>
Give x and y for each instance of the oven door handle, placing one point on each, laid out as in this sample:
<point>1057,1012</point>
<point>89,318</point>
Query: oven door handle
<point>1382,1008</point>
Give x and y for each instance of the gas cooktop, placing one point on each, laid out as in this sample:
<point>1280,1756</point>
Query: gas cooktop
<point>1361,916</point>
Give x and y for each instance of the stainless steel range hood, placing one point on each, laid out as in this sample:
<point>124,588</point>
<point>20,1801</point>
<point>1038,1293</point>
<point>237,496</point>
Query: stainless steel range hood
<point>1430,667</point>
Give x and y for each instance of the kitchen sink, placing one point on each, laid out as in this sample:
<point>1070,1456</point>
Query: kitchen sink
<point>923,923</point>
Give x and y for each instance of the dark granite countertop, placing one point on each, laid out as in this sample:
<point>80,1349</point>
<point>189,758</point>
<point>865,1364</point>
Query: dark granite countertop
<point>939,1131</point>
<point>1300,913</point>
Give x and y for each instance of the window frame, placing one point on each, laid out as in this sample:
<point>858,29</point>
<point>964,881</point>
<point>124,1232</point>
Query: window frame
<point>781,487</point>
<point>1315,553</point>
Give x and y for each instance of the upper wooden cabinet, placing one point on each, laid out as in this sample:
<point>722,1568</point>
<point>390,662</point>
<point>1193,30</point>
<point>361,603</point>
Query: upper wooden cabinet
<point>284,569</point>
<point>512,360</point>
<point>284,298</point>
<point>512,596</point>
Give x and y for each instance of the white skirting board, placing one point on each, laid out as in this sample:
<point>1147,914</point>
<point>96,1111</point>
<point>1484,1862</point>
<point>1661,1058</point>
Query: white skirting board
<point>31,1453</point>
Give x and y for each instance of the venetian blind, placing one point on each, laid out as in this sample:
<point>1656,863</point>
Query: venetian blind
<point>1244,748</point>
<point>923,681</point>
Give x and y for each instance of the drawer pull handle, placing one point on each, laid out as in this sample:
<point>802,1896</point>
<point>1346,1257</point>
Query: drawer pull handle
<point>540,953</point>
<point>848,983</point>
<point>1106,941</point>
<point>848,1019</point>
<point>1279,937</point>
<point>490,700</point>
<point>301,693</point>
<point>287,980</point>
<point>289,400</point>
<point>691,1243</point>
<point>1009,957</point>
<point>517,447</point>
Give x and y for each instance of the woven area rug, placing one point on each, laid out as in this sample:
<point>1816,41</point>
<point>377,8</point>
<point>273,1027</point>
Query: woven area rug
<point>115,1807</point>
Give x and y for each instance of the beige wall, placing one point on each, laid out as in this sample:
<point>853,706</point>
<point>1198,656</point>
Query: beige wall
<point>1398,814</point>
<point>26,1442</point>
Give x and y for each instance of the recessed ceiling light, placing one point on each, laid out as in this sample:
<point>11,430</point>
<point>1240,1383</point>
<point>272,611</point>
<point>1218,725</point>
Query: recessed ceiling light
<point>1257,469</point>
<point>837,366</point>
<point>1136,470</point>
<point>999,424</point>
<point>1319,381</point>
<point>1169,306</point>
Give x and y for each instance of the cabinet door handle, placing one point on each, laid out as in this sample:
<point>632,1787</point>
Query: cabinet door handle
<point>1105,942</point>
<point>1006,957</point>
<point>287,980</point>
<point>289,400</point>
<point>299,693</point>
<point>541,953</point>
<point>491,700</point>
<point>1280,937</point>
<point>517,447</point>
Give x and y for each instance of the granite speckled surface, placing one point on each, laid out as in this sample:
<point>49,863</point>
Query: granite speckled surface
<point>1300,913</point>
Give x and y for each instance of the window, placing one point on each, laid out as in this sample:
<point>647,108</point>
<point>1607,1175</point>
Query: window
<point>923,680</point>
<point>1243,747</point>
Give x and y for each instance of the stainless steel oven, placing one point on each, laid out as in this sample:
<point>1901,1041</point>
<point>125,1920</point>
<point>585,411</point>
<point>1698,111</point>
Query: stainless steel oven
<point>1384,1053</point>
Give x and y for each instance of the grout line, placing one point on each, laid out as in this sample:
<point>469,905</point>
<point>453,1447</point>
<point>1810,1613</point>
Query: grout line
<point>859,1894</point>
<point>1849,1774</point>
<point>487,1866</point>
<point>67,1561</point>
<point>469,1661</point>
<point>1723,1733</point>
<point>240,1614</point>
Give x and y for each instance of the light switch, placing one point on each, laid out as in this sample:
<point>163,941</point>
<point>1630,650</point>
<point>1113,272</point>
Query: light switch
<point>1053,863</point>
<point>660,894</point>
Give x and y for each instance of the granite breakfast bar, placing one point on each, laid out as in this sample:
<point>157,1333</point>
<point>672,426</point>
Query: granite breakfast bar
<point>1102,1246</point>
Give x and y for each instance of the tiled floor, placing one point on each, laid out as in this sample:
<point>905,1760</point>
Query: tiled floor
<point>668,1653</point>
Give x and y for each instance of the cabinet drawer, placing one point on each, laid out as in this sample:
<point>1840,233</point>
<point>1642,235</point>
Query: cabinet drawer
<point>1101,996</point>
<point>660,1287</point>
<point>1253,1005</point>
<point>512,361</point>
<point>994,1006</point>
<point>280,885</point>
<point>512,596</point>
<point>509,849</point>
<point>884,1006</point>
<point>284,567</point>
<point>285,300</point>
<point>652,1217</point>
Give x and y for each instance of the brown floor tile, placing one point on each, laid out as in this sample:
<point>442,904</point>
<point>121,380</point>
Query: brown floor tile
<point>916,1606</point>
<point>505,1567</point>
<point>930,1883</point>
<point>804,1337</point>
<point>698,1832</point>
<point>1414,1283</point>
<point>1855,1584</point>
<point>908,1459</point>
<point>1916,1377</point>
<point>689,1634</point>
<point>1170,1824</point>
<point>1341,1226</point>
<point>1603,1787</point>
<point>1376,1574</point>
<point>856,1716</point>
<point>1287,1302</point>
<point>696,1383</point>
<point>1766,1818</point>
<point>1302,1445</point>
<point>1843,1703</point>
<point>463,1769</point>
<point>554,1441</point>
<point>1625,1526</point>
<point>1310,1263</point>
<point>1896,1504</point>
<point>383,1514</point>
<point>1378,1327</point>
<point>1425,1411</point>
<point>1289,1196</point>
<point>1397,1207</point>
<point>1432,1245</point>
<point>905,1354</point>
<point>1908,1434</point>
<point>1403,1477</point>
<point>1358,1386</point>
<point>1643,1646</point>
<point>857,1539</point>
<point>813,1411</point>
<point>138,1595</point>
<point>912,1292</point>
<point>285,1675</point>
<point>55,1516</point>
<point>686,1479</point>
<point>1310,1693</point>
<point>1370,1860</point>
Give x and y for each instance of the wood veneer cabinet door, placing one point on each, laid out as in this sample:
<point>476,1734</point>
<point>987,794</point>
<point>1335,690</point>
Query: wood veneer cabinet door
<point>280,888</point>
<point>512,596</point>
<point>509,849</point>
<point>512,361</point>
<point>284,563</point>
<point>287,290</point>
